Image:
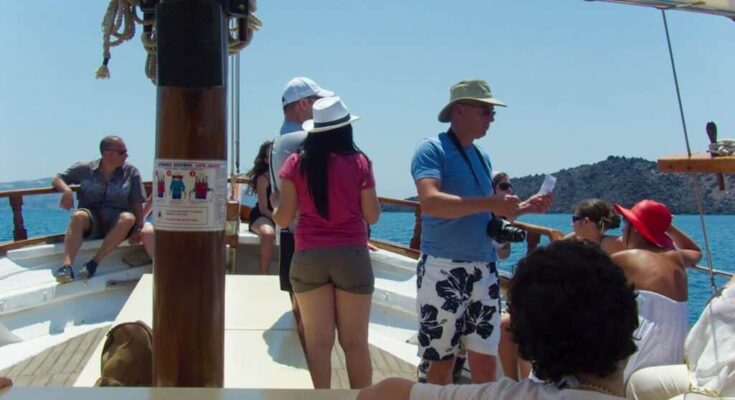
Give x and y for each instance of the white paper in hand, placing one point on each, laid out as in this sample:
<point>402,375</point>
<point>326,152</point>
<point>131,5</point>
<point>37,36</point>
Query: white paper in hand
<point>548,185</point>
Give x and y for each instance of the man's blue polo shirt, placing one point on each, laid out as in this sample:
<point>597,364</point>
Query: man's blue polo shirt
<point>462,238</point>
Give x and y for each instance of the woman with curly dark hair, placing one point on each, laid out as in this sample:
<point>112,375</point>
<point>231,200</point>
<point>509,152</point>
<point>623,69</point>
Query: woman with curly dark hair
<point>591,218</point>
<point>261,215</point>
<point>574,314</point>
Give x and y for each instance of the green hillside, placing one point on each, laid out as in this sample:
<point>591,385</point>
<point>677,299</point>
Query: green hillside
<point>626,180</point>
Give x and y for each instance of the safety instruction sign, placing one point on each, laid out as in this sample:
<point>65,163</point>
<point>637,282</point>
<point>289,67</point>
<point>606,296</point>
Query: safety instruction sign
<point>189,195</point>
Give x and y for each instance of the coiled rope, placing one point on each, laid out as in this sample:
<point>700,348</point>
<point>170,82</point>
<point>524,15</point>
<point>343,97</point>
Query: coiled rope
<point>118,26</point>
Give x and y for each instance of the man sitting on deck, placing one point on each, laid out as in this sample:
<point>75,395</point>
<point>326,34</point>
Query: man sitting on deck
<point>111,197</point>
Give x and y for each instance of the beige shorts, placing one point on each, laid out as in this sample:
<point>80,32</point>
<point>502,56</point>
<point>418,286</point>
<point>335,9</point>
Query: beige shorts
<point>348,268</point>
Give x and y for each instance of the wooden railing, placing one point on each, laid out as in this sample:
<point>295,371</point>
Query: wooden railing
<point>413,247</point>
<point>16,204</point>
<point>533,237</point>
<point>15,197</point>
<point>20,235</point>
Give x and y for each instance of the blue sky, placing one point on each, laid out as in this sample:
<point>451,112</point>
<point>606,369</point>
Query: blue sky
<point>583,80</point>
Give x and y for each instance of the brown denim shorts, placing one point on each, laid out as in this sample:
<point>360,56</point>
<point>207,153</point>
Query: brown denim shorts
<point>97,228</point>
<point>348,268</point>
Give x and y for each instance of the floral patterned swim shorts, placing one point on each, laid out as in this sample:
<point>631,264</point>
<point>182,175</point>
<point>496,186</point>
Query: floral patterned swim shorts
<point>457,301</point>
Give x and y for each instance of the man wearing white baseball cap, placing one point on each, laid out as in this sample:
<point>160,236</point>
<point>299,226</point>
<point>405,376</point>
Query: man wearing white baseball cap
<point>298,96</point>
<point>300,88</point>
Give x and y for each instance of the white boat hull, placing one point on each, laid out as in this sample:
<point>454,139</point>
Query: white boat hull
<point>37,313</point>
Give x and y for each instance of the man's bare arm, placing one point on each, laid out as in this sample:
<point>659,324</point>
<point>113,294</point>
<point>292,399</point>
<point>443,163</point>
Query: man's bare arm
<point>538,203</point>
<point>139,215</point>
<point>285,212</point>
<point>148,207</point>
<point>67,196</point>
<point>690,251</point>
<point>439,204</point>
<point>387,389</point>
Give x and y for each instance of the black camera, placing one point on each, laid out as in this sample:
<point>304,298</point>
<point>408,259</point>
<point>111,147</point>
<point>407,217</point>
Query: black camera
<point>502,231</point>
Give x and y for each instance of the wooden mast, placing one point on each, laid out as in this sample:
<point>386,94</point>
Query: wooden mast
<point>189,274</point>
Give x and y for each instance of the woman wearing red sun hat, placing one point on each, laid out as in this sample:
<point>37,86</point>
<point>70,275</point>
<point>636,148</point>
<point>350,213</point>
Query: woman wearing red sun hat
<point>655,263</point>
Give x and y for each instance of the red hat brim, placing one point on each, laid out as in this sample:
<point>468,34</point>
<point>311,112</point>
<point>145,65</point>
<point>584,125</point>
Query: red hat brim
<point>661,240</point>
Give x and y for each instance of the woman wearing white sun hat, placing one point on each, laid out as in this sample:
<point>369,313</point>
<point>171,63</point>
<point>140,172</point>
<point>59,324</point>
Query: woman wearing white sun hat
<point>330,183</point>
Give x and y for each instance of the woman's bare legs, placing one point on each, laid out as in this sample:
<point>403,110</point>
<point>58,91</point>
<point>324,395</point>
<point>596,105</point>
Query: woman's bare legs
<point>507,349</point>
<point>317,315</point>
<point>264,228</point>
<point>353,314</point>
<point>482,367</point>
<point>148,238</point>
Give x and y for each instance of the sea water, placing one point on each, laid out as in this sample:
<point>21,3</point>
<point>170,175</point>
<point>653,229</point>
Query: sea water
<point>398,227</point>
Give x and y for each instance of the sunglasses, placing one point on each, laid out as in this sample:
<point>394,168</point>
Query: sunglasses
<point>576,218</point>
<point>504,186</point>
<point>486,110</point>
<point>119,152</point>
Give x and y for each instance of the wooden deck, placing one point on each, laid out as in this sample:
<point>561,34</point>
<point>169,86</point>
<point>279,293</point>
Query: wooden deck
<point>385,365</point>
<point>61,364</point>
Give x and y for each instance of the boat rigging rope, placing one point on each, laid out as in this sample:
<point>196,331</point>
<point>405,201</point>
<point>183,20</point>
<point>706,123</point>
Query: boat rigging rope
<point>118,26</point>
<point>695,177</point>
<point>236,115</point>
<point>119,14</point>
<point>151,60</point>
<point>234,123</point>
<point>235,43</point>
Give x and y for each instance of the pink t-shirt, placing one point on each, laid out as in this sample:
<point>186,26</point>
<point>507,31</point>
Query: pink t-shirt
<point>348,175</point>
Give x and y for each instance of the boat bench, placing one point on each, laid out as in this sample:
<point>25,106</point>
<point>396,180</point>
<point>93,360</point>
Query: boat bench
<point>262,347</point>
<point>245,236</point>
<point>27,281</point>
<point>55,248</point>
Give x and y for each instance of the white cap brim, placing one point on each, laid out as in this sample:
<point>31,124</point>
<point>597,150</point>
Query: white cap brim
<point>324,93</point>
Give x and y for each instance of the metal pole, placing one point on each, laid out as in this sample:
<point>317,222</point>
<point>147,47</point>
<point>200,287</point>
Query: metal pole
<point>676,83</point>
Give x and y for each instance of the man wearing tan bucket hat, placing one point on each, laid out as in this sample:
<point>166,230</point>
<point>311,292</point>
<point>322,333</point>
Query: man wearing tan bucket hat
<point>457,280</point>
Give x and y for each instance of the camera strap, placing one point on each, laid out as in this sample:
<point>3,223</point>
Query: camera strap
<point>460,149</point>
